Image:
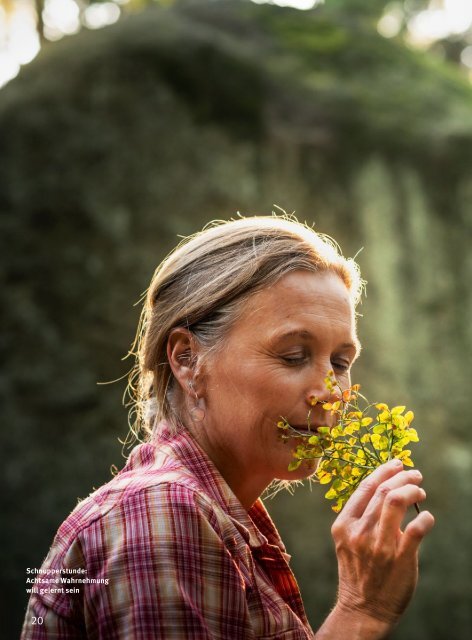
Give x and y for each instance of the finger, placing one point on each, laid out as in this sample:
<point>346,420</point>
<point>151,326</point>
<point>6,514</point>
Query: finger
<point>394,509</point>
<point>374,508</point>
<point>415,531</point>
<point>361,497</point>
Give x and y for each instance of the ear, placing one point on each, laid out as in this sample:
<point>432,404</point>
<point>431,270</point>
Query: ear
<point>182,353</point>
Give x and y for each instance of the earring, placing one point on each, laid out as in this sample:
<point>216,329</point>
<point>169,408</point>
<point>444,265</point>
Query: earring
<point>196,413</point>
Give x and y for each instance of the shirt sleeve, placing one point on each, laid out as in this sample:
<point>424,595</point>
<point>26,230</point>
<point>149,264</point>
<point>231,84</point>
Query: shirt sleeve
<point>170,573</point>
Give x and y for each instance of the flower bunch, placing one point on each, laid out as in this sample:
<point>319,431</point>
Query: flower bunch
<point>356,445</point>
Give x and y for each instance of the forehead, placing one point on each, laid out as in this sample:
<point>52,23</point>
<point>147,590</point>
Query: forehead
<point>300,296</point>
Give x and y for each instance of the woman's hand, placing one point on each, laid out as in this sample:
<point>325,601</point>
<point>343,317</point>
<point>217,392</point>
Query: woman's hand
<point>377,561</point>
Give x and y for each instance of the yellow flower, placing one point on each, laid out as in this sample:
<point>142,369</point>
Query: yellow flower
<point>324,477</point>
<point>398,410</point>
<point>404,456</point>
<point>379,442</point>
<point>358,443</point>
<point>331,493</point>
<point>398,421</point>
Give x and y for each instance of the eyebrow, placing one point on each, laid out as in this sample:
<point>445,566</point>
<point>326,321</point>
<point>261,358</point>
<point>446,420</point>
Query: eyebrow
<point>303,333</point>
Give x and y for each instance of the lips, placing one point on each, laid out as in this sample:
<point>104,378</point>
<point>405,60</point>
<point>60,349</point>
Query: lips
<point>303,428</point>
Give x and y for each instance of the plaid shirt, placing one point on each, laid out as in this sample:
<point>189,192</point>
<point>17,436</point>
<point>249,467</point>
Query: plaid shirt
<point>182,557</point>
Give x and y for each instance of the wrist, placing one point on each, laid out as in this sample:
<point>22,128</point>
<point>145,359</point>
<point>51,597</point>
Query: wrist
<point>350,624</point>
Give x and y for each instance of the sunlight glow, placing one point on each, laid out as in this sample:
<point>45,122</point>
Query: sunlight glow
<point>466,57</point>
<point>23,38</point>
<point>454,18</point>
<point>98,15</point>
<point>61,17</point>
<point>19,42</point>
<point>303,5</point>
<point>390,23</point>
<point>459,15</point>
<point>9,68</point>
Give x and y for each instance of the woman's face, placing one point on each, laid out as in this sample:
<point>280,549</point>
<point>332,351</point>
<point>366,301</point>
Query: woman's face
<point>274,359</point>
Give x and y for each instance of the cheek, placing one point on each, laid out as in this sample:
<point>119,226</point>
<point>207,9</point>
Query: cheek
<point>249,388</point>
<point>266,385</point>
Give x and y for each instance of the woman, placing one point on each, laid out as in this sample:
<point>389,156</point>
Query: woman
<point>240,326</point>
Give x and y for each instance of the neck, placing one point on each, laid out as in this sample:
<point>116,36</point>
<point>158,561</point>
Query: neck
<point>244,483</point>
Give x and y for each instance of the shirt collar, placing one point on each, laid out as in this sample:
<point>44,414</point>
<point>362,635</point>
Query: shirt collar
<point>171,447</point>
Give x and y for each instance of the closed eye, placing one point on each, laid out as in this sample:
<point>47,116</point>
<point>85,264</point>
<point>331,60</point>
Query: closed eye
<point>341,365</point>
<point>294,359</point>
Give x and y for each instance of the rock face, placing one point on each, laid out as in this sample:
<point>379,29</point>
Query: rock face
<point>114,142</point>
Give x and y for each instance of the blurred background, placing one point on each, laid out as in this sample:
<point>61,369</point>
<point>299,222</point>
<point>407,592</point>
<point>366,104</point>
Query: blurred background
<point>126,124</point>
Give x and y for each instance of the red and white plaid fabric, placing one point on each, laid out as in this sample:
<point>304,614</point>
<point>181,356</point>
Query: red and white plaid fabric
<point>182,557</point>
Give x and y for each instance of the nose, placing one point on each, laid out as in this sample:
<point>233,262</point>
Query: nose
<point>324,389</point>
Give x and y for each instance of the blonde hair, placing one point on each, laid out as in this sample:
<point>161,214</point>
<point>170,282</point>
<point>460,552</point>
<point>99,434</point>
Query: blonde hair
<point>203,284</point>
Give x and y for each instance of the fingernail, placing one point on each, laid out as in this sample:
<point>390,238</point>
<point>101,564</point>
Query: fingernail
<point>397,463</point>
